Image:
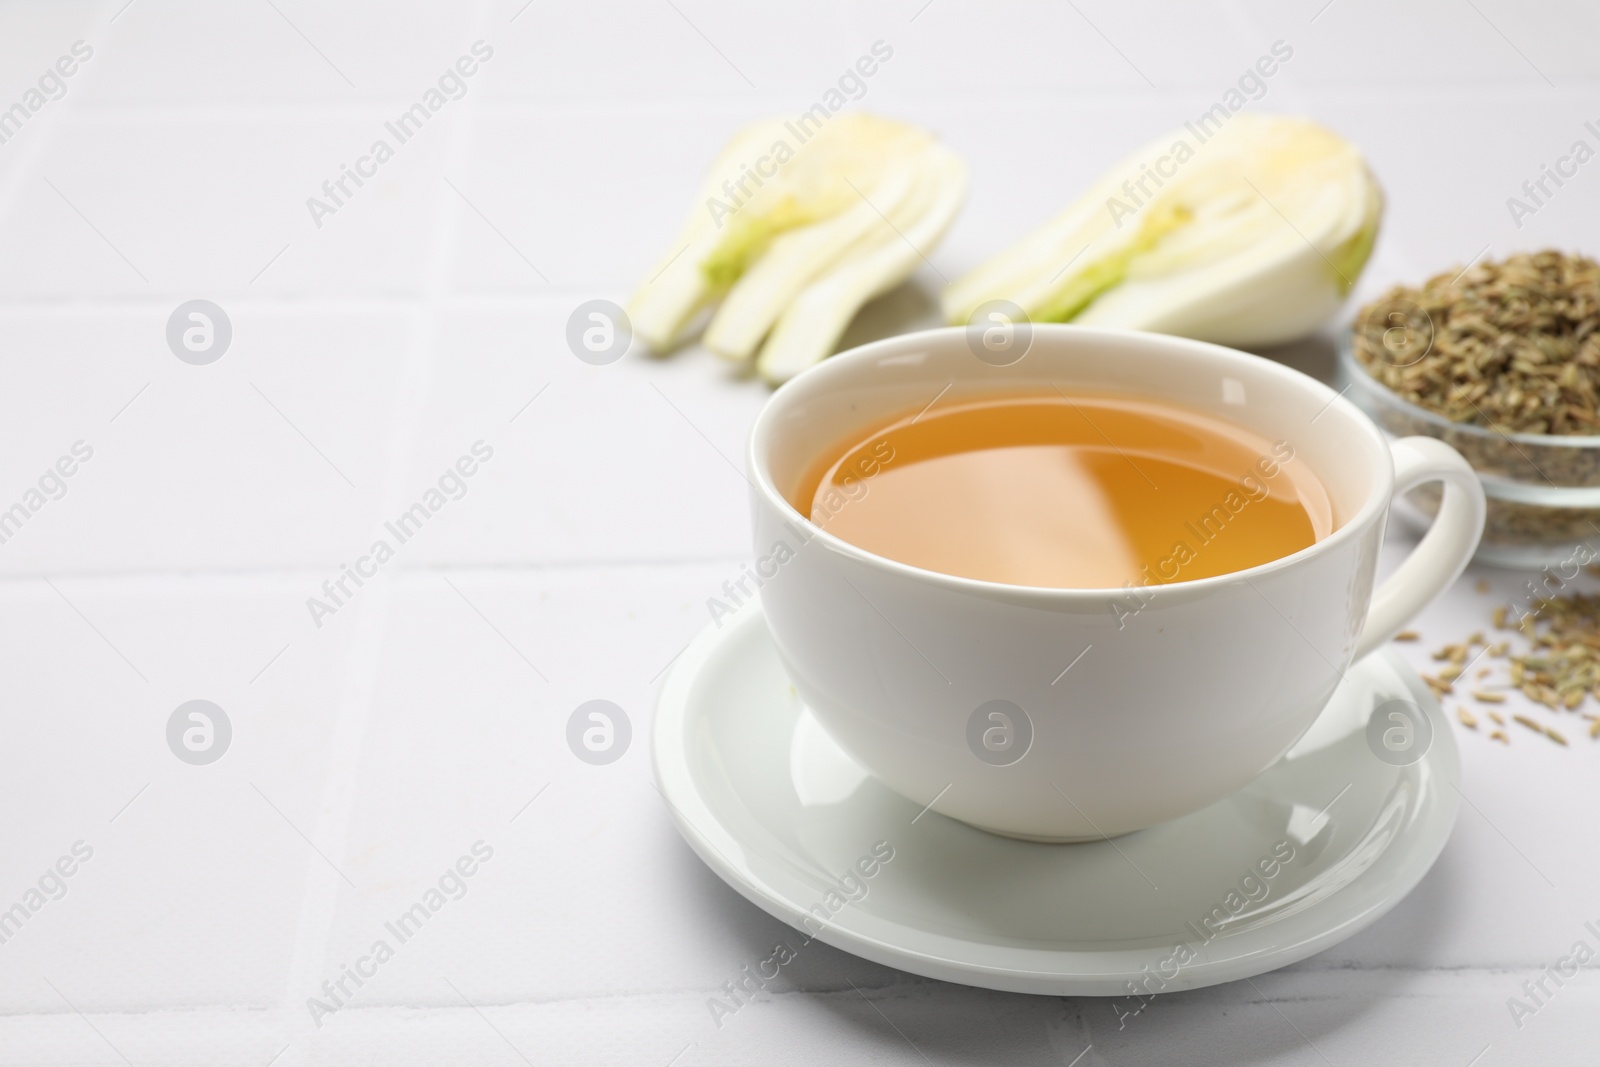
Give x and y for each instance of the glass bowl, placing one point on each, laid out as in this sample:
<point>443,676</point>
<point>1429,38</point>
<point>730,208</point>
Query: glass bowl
<point>1543,490</point>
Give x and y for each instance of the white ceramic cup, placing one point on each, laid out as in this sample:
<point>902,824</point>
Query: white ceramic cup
<point>1116,710</point>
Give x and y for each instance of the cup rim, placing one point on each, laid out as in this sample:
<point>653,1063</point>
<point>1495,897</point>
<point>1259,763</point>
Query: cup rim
<point>849,361</point>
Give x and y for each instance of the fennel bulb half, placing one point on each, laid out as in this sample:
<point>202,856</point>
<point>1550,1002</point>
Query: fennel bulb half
<point>1249,234</point>
<point>797,225</point>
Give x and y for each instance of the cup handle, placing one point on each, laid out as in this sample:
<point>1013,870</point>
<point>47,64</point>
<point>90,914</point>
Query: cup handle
<point>1443,553</point>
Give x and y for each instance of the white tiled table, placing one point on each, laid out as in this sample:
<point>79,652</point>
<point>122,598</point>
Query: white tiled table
<point>368,354</point>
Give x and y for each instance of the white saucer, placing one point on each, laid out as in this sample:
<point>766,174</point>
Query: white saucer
<point>780,813</point>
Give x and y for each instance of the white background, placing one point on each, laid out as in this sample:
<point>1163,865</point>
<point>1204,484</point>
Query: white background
<point>367,354</point>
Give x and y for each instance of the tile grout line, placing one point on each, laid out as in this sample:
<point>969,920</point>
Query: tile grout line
<point>315,925</point>
<point>379,104</point>
<point>221,577</point>
<point>67,110</point>
<point>1260,37</point>
<point>1336,984</point>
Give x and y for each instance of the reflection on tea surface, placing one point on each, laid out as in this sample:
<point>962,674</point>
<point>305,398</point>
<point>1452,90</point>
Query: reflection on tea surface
<point>1065,490</point>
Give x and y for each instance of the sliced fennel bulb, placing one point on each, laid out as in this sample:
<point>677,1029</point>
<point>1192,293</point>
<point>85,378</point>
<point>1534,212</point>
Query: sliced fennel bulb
<point>1252,237</point>
<point>792,236</point>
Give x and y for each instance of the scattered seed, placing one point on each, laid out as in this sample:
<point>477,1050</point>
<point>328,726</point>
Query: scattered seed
<point>1483,585</point>
<point>1407,635</point>
<point>1559,667</point>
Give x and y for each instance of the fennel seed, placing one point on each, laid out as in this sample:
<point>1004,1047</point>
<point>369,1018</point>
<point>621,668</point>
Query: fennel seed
<point>1515,345</point>
<point>1509,347</point>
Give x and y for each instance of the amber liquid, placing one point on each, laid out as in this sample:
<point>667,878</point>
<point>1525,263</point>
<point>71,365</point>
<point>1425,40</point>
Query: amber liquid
<point>1067,490</point>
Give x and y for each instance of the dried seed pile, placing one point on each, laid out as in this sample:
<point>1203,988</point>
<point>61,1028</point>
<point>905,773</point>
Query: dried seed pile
<point>1502,348</point>
<point>1511,346</point>
<point>1560,669</point>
